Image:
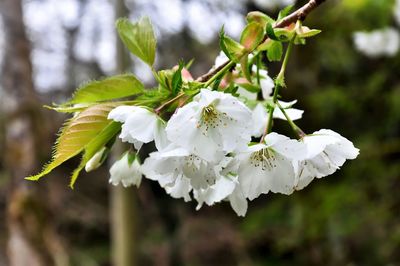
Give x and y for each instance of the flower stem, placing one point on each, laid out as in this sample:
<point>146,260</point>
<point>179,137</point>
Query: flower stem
<point>279,83</point>
<point>158,109</point>
<point>300,133</point>
<point>258,62</point>
<point>219,73</point>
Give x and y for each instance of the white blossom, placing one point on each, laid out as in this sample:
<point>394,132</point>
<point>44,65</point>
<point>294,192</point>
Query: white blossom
<point>326,152</point>
<point>266,83</point>
<point>139,126</point>
<point>260,120</point>
<point>125,172</point>
<point>269,166</point>
<point>169,167</point>
<point>384,42</point>
<point>213,124</point>
<point>223,186</point>
<point>238,201</point>
<point>181,173</point>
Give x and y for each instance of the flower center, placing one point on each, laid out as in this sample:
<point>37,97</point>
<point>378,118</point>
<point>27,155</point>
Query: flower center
<point>210,118</point>
<point>263,158</point>
<point>196,168</point>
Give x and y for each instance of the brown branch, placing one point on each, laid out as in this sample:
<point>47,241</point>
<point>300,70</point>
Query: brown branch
<point>299,14</point>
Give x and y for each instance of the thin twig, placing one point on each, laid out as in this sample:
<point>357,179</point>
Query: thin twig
<point>299,14</point>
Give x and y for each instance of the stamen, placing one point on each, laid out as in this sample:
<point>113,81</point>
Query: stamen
<point>263,158</point>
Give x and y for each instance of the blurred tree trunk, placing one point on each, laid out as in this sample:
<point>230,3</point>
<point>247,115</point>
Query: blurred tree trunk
<point>30,240</point>
<point>123,200</point>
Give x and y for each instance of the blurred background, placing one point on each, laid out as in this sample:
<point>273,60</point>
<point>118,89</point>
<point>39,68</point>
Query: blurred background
<point>49,47</point>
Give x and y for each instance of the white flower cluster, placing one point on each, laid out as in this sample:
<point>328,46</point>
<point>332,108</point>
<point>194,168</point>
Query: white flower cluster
<point>384,42</point>
<point>205,151</point>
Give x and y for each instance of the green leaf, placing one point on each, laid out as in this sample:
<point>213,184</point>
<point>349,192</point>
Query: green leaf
<point>259,17</point>
<point>68,109</point>
<point>153,98</point>
<point>250,87</point>
<point>107,89</point>
<point>76,134</point>
<point>232,49</point>
<point>251,36</point>
<point>244,63</point>
<point>275,51</point>
<point>271,32</point>
<point>189,64</point>
<point>284,34</point>
<point>164,78</point>
<point>306,32</point>
<point>177,79</point>
<point>99,141</point>
<point>139,38</point>
<point>284,12</point>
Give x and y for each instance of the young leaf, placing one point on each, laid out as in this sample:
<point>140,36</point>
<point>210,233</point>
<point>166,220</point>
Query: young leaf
<point>271,32</point>
<point>275,51</point>
<point>305,32</point>
<point>177,79</point>
<point>107,89</point>
<point>251,36</point>
<point>244,63</point>
<point>284,12</point>
<point>76,134</point>
<point>259,17</point>
<point>99,141</point>
<point>232,49</point>
<point>164,78</point>
<point>139,38</point>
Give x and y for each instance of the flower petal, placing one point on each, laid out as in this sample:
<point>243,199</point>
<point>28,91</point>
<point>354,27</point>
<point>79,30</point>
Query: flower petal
<point>121,113</point>
<point>238,202</point>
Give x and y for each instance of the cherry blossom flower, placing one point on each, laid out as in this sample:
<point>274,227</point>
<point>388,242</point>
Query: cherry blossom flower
<point>170,168</point>
<point>269,166</point>
<point>126,172</point>
<point>214,124</point>
<point>226,187</point>
<point>181,173</point>
<point>327,151</point>
<point>384,42</point>
<point>139,126</point>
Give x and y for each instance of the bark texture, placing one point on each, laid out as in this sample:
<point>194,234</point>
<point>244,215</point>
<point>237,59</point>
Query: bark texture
<point>30,240</point>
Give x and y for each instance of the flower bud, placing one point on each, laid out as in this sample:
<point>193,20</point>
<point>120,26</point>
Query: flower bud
<point>96,160</point>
